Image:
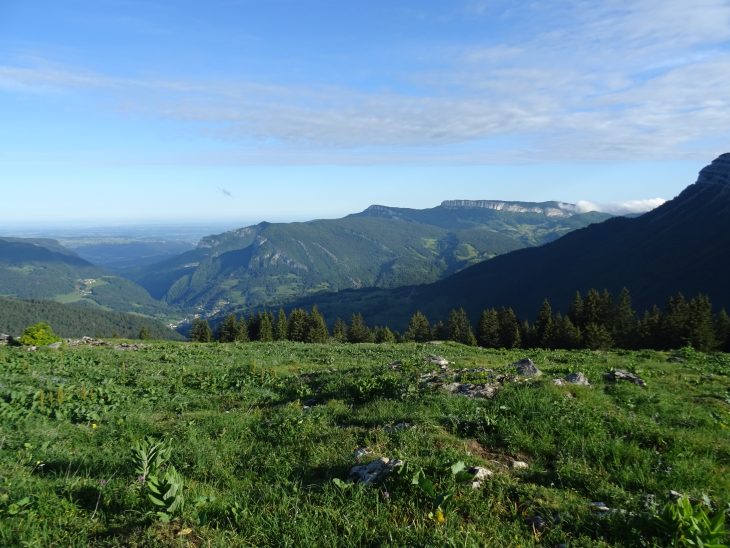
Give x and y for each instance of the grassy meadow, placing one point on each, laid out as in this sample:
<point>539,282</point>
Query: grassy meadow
<point>181,444</point>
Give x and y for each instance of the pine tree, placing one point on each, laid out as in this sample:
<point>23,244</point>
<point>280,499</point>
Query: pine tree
<point>700,327</point>
<point>281,326</point>
<point>575,313</point>
<point>419,329</point>
<point>297,327</point>
<point>624,324</point>
<point>565,334</point>
<point>200,331</point>
<point>316,328</point>
<point>597,337</point>
<point>509,329</point>
<point>675,324</point>
<point>384,335</point>
<point>228,329</point>
<point>242,331</point>
<point>544,325</point>
<point>266,327</point>
<point>488,332</point>
<point>650,328</point>
<point>358,331</point>
<point>144,333</point>
<point>439,332</point>
<point>339,331</point>
<point>460,329</point>
<point>722,330</point>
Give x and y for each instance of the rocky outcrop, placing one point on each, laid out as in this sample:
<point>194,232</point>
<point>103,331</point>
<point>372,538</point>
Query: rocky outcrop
<point>717,173</point>
<point>549,209</point>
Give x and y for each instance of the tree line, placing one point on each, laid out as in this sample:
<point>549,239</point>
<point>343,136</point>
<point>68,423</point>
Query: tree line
<point>596,320</point>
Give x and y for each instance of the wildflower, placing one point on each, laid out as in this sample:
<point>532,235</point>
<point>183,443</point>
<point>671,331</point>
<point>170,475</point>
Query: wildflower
<point>440,518</point>
<point>94,426</point>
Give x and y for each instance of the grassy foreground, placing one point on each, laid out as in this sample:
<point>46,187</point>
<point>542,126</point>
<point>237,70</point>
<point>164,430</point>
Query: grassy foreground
<point>251,445</point>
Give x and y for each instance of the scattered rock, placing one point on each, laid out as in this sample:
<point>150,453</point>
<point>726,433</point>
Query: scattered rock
<point>86,341</point>
<point>374,472</point>
<point>31,349</point>
<point>395,366</point>
<point>600,507</point>
<point>675,495</point>
<point>485,391</point>
<point>5,339</point>
<point>361,453</point>
<point>578,379</point>
<point>519,465</point>
<point>620,375</point>
<point>127,346</point>
<point>480,476</point>
<point>527,368</point>
<point>55,345</point>
<point>438,360</point>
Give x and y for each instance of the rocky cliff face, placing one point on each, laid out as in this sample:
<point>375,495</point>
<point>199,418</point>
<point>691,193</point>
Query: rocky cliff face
<point>718,172</point>
<point>549,209</point>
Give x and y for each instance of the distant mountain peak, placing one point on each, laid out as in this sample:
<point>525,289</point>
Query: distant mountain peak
<point>718,172</point>
<point>549,209</point>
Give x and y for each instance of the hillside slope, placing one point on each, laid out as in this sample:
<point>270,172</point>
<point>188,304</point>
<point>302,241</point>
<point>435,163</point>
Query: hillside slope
<point>683,245</point>
<point>271,264</point>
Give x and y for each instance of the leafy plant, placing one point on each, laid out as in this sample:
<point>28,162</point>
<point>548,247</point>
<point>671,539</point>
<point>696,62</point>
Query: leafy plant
<point>686,524</point>
<point>162,482</point>
<point>40,334</point>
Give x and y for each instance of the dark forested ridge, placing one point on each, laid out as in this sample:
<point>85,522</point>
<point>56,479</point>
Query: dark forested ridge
<point>44,269</point>
<point>272,264</point>
<point>682,246</point>
<point>76,321</point>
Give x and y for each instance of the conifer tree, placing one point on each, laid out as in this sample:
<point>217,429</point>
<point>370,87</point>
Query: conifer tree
<point>266,327</point>
<point>339,331</point>
<point>281,326</point>
<point>624,324</point>
<point>297,327</point>
<point>228,329</point>
<point>358,331</point>
<point>597,337</point>
<point>700,328</point>
<point>419,329</point>
<point>439,332</point>
<point>565,334</point>
<point>460,329</point>
<point>200,331</point>
<point>488,332</point>
<point>384,335</point>
<point>576,310</point>
<point>722,331</point>
<point>544,325</point>
<point>509,329</point>
<point>316,327</point>
<point>242,330</point>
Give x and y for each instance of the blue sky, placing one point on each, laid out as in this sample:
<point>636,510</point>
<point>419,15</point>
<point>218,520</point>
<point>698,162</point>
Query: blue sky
<point>138,110</point>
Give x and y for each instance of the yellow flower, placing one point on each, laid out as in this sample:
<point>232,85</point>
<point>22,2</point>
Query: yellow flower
<point>440,518</point>
<point>94,426</point>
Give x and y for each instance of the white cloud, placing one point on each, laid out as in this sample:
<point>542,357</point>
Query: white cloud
<point>600,81</point>
<point>621,208</point>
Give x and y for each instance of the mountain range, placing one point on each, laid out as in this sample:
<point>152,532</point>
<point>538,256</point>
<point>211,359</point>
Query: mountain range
<point>682,246</point>
<point>385,247</point>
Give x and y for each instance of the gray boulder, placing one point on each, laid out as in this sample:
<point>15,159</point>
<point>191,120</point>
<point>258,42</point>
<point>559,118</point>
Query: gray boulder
<point>620,375</point>
<point>527,368</point>
<point>374,472</point>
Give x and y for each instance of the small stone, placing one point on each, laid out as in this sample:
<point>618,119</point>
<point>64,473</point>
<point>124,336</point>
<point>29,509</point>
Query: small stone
<point>519,465</point>
<point>361,453</point>
<point>438,360</point>
<point>578,379</point>
<point>374,472</point>
<point>55,345</point>
<point>480,476</point>
<point>620,375</point>
<point>600,507</point>
<point>527,368</point>
<point>675,495</point>
<point>558,382</point>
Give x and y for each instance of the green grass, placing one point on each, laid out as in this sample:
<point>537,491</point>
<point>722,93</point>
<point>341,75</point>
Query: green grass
<point>260,432</point>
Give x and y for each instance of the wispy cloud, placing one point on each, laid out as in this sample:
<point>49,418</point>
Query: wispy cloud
<point>227,193</point>
<point>610,80</point>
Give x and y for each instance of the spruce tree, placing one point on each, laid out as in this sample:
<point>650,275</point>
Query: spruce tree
<point>419,329</point>
<point>439,331</point>
<point>576,310</point>
<point>460,329</point>
<point>722,331</point>
<point>297,327</point>
<point>624,324</point>
<point>358,331</point>
<point>242,331</point>
<point>228,329</point>
<point>384,335</point>
<point>266,327</point>
<point>565,333</point>
<point>509,329</point>
<point>281,326</point>
<point>200,331</point>
<point>316,328</point>
<point>597,337</point>
<point>544,325</point>
<point>339,331</point>
<point>488,332</point>
<point>700,327</point>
